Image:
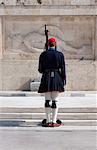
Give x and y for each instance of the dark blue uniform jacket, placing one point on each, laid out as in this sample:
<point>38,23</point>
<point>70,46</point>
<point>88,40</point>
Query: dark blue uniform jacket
<point>52,67</point>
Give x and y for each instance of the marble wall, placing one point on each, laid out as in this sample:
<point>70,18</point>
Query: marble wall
<point>22,40</point>
<point>17,75</point>
<point>74,36</point>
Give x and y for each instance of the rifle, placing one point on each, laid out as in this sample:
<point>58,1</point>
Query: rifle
<point>46,44</point>
<point>46,34</point>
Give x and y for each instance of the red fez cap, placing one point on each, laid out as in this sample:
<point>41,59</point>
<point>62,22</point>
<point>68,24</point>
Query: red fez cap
<point>52,40</point>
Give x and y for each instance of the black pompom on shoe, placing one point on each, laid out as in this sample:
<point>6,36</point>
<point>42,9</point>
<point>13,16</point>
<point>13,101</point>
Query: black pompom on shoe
<point>59,121</point>
<point>45,124</point>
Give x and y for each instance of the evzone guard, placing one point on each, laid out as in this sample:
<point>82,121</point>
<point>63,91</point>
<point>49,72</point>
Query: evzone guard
<point>52,68</point>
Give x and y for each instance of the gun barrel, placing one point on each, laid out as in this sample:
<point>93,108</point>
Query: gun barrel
<point>45,29</point>
<point>46,34</point>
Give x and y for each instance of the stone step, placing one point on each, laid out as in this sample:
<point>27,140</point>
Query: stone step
<point>42,110</point>
<point>30,94</point>
<point>72,106</point>
<point>63,116</point>
<point>38,102</point>
<point>67,123</point>
<point>35,123</point>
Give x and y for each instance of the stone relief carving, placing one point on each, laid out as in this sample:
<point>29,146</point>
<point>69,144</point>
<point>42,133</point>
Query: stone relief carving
<point>48,2</point>
<point>71,39</point>
<point>19,2</point>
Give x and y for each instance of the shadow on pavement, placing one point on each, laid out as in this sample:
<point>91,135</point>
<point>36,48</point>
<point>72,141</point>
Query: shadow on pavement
<point>9,123</point>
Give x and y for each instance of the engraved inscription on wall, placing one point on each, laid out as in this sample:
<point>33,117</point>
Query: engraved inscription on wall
<point>26,35</point>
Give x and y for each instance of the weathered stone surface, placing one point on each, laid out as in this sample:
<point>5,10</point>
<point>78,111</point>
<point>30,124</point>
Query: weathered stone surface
<point>49,11</point>
<point>81,75</point>
<point>25,37</point>
<point>49,2</point>
<point>0,77</point>
<point>83,2</point>
<point>96,76</point>
<point>18,74</point>
<point>95,39</point>
<point>1,38</point>
<point>0,53</point>
<point>22,39</point>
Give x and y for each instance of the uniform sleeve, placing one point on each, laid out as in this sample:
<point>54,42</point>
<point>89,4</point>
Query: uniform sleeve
<point>40,65</point>
<point>63,69</point>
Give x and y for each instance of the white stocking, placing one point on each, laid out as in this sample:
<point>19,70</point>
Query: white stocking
<point>48,114</point>
<point>54,114</point>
